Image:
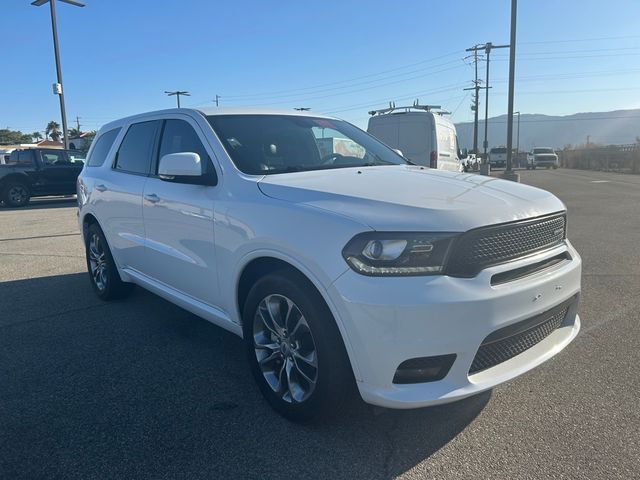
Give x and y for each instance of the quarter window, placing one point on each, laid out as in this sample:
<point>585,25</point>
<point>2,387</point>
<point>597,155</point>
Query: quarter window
<point>136,150</point>
<point>102,147</point>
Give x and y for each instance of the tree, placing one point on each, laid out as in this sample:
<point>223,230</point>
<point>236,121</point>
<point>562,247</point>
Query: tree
<point>74,132</point>
<point>53,130</point>
<point>9,137</point>
<point>36,136</point>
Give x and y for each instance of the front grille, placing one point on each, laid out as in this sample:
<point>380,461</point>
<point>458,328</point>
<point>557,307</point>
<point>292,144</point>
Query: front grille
<point>510,341</point>
<point>487,246</point>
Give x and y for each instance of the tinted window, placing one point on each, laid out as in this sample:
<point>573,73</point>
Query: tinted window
<point>53,158</point>
<point>136,149</point>
<point>21,157</point>
<point>178,136</point>
<point>102,147</point>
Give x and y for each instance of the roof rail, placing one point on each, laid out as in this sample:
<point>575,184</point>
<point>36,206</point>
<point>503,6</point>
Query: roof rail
<point>416,106</point>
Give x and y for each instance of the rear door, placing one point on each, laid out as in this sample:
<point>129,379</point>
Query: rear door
<point>57,173</point>
<point>117,193</point>
<point>178,219</point>
<point>447,146</point>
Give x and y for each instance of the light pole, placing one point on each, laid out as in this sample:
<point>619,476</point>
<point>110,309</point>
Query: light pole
<point>57,88</point>
<point>518,134</point>
<point>512,69</point>
<point>177,94</point>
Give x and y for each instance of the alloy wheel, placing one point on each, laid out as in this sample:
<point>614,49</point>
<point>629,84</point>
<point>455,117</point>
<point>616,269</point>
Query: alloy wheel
<point>285,349</point>
<point>18,194</point>
<point>98,262</point>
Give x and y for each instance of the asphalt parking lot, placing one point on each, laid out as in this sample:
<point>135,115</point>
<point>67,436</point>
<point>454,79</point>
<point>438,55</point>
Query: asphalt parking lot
<point>142,389</point>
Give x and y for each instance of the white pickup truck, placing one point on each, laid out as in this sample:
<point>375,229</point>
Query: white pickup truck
<point>542,157</point>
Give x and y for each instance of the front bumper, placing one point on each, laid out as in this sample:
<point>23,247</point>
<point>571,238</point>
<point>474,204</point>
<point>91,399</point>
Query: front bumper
<point>390,320</point>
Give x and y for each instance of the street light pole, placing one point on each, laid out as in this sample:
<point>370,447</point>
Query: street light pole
<point>518,134</point>
<point>512,69</point>
<point>56,50</point>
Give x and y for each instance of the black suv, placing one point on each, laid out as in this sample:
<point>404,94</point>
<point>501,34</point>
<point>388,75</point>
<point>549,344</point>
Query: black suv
<point>39,172</point>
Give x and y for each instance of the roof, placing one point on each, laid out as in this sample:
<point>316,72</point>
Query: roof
<point>255,111</point>
<point>214,111</point>
<point>50,143</point>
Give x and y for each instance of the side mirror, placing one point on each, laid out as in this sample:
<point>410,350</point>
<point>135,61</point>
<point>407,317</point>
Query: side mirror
<point>184,167</point>
<point>399,152</point>
<point>184,164</point>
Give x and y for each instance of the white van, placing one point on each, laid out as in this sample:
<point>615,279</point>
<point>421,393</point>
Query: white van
<point>424,137</point>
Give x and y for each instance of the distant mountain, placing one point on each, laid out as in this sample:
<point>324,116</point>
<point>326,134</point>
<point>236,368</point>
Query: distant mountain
<point>605,128</point>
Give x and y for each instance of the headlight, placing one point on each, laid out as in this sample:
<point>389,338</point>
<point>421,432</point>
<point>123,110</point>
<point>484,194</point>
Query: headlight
<point>398,253</point>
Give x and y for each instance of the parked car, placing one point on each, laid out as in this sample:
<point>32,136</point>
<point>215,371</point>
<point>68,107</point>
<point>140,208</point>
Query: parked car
<point>423,136</point>
<point>542,157</point>
<point>498,157</point>
<point>39,172</point>
<point>336,268</point>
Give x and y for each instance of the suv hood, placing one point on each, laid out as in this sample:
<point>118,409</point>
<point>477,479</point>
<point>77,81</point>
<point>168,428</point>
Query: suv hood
<point>408,197</point>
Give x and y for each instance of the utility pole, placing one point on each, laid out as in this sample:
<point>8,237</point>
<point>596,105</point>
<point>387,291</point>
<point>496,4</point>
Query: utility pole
<point>78,124</point>
<point>216,100</point>
<point>177,94</point>
<point>512,71</point>
<point>487,47</point>
<point>57,87</point>
<point>476,98</point>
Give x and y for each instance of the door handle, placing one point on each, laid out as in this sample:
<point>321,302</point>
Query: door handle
<point>152,197</point>
<point>100,187</point>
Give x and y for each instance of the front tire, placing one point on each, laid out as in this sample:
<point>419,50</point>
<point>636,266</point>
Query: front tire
<point>16,194</point>
<point>103,273</point>
<point>294,348</point>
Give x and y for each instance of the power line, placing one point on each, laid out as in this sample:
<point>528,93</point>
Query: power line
<point>576,40</point>
<point>272,93</point>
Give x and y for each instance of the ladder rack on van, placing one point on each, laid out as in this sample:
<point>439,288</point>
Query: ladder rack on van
<point>416,106</point>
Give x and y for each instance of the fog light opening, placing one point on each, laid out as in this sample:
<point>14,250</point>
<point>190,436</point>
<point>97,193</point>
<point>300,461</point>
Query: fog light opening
<point>424,369</point>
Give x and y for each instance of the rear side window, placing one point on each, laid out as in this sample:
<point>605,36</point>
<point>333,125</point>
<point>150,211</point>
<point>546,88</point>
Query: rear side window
<point>102,147</point>
<point>136,149</point>
<point>178,137</point>
<point>20,157</point>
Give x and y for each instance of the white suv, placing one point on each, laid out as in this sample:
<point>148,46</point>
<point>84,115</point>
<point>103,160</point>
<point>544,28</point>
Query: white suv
<point>338,266</point>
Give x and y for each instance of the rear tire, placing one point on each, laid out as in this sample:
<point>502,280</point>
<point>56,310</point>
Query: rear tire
<point>103,273</point>
<point>294,348</point>
<point>16,194</point>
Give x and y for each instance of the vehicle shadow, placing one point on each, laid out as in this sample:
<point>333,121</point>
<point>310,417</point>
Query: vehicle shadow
<point>43,202</point>
<point>140,388</point>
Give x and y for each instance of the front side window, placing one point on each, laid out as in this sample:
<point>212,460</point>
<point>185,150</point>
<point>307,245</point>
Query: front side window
<point>136,149</point>
<point>270,144</point>
<point>179,137</point>
<point>53,158</point>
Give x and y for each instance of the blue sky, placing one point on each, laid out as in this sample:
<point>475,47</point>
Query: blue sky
<point>339,57</point>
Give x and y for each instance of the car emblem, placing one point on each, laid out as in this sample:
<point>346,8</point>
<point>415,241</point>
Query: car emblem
<point>537,297</point>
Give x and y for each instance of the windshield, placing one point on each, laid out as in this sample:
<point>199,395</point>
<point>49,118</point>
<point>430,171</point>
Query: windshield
<point>269,144</point>
<point>498,150</point>
<point>542,150</point>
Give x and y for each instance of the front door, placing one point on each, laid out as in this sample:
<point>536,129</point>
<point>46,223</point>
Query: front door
<point>178,220</point>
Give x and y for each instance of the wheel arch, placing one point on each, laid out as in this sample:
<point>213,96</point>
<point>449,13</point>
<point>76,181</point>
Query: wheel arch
<point>15,177</point>
<point>266,263</point>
